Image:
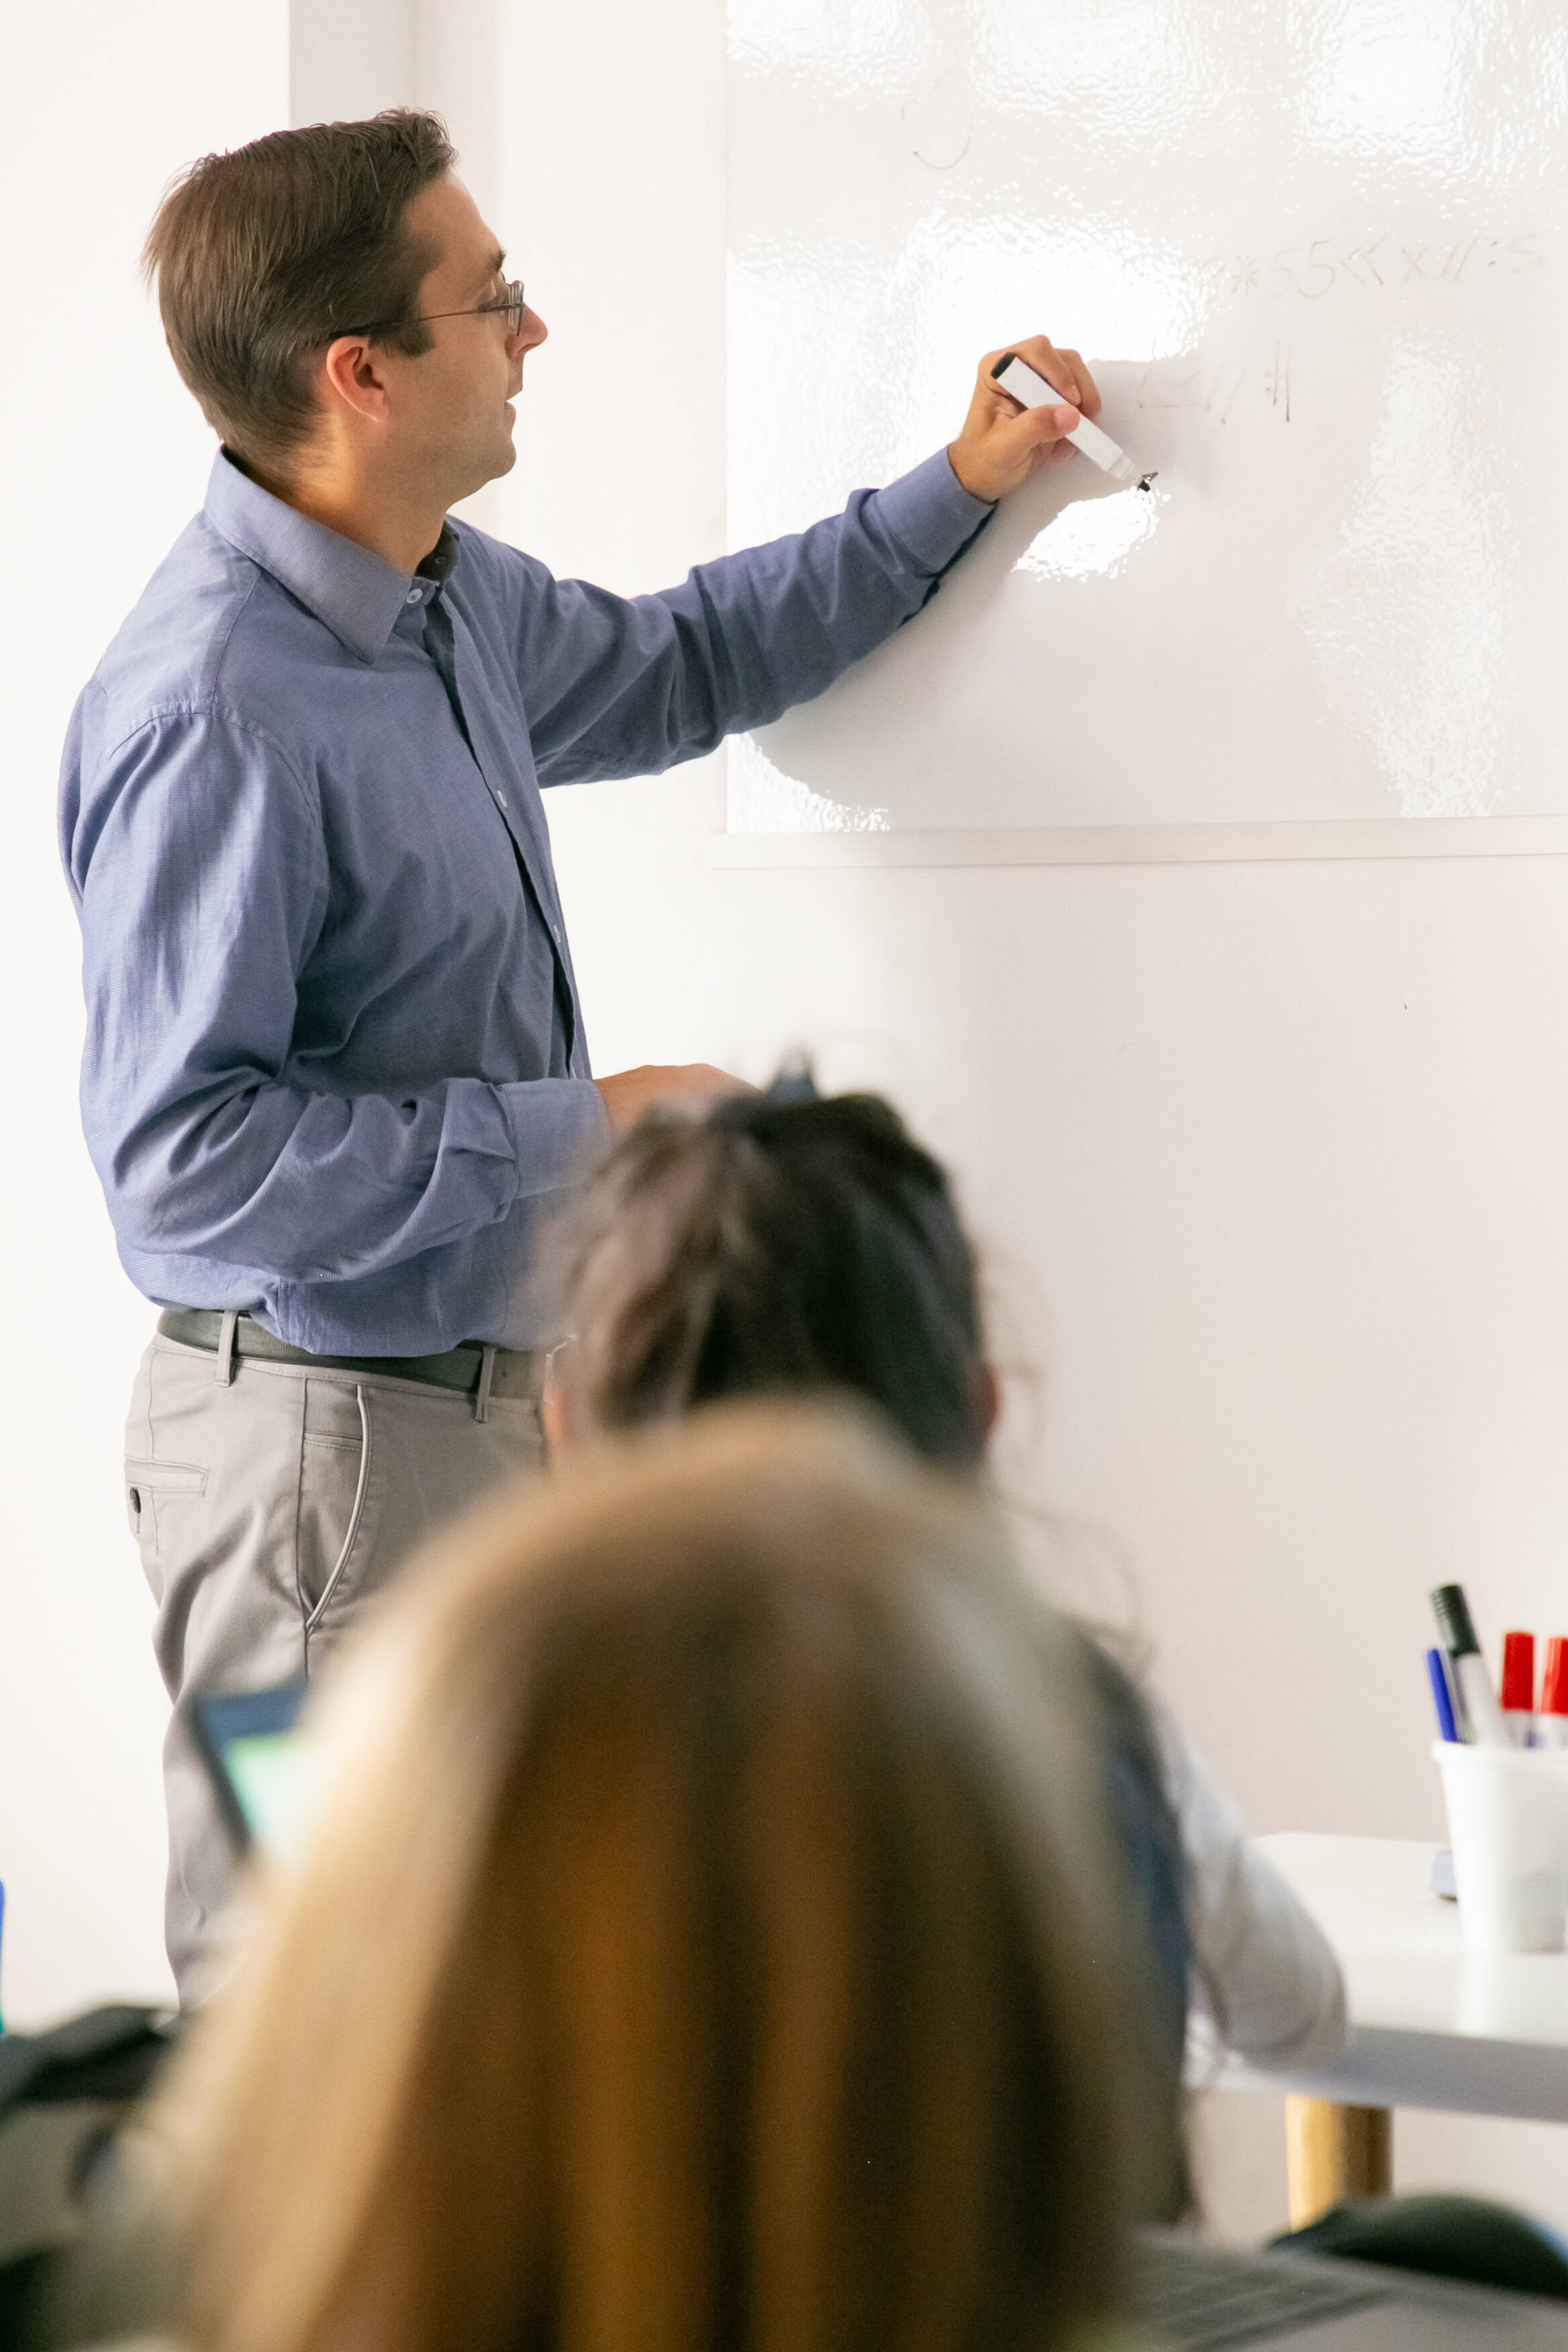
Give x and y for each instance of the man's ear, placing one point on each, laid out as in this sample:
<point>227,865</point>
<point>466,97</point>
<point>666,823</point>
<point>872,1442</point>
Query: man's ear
<point>351,380</point>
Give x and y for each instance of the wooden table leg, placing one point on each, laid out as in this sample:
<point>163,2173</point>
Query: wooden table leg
<point>1332,2152</point>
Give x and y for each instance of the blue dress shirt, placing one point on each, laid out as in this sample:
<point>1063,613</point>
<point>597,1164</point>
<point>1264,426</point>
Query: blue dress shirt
<point>335,1071</point>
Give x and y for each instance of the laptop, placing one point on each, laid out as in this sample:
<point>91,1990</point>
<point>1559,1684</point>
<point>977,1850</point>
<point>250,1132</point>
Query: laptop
<point>1203,2298</point>
<point>250,1742</point>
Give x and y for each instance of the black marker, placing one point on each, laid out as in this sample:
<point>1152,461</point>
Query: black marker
<point>1483,1716</point>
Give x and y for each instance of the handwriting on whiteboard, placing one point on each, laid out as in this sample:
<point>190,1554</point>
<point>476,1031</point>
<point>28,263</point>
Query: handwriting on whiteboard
<point>1388,259</point>
<point>1218,387</point>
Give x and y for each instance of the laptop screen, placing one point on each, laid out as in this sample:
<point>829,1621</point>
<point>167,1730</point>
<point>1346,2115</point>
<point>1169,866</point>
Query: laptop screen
<point>252,1748</point>
<point>265,1770</point>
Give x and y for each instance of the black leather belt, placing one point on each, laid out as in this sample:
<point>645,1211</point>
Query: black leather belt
<point>516,1372</point>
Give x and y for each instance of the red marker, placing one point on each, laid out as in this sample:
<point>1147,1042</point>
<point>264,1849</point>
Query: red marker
<point>1551,1731</point>
<point>1518,1687</point>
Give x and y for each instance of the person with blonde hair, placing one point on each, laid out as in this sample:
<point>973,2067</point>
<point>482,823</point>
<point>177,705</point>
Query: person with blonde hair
<point>706,1936</point>
<point>798,1245</point>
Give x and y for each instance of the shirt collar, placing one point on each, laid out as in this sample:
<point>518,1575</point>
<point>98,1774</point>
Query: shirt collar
<point>358,594</point>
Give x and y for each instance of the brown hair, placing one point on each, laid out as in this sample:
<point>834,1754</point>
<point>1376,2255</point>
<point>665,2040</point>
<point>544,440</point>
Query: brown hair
<point>710,1939</point>
<point>777,1245</point>
<point>263,255</point>
<point>795,1244</point>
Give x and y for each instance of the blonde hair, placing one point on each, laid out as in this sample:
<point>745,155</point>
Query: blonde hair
<point>709,1940</point>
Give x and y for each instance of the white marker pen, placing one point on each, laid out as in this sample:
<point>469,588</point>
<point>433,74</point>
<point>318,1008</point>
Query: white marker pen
<point>1030,390</point>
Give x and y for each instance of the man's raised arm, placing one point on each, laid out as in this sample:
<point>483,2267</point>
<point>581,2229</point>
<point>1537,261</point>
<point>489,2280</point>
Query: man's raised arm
<point>630,685</point>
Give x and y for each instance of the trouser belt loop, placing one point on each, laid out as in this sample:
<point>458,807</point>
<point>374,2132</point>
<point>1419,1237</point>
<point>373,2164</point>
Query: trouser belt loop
<point>224,1375</point>
<point>486,1374</point>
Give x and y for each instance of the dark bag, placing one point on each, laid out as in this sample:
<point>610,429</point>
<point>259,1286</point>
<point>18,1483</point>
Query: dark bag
<point>63,2097</point>
<point>1444,2235</point>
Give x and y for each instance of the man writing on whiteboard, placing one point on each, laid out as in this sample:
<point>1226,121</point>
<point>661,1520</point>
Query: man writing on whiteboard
<point>335,1077</point>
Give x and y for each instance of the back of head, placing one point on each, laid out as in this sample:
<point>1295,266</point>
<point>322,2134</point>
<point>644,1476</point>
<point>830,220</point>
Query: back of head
<point>265,253</point>
<point>709,1941</point>
<point>777,1247</point>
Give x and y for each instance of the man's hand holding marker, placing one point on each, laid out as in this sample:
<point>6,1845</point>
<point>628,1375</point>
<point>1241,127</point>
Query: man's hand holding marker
<point>1003,446</point>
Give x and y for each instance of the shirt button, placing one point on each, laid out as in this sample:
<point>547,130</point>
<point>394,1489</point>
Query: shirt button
<point>414,596</point>
<point>555,933</point>
<point>501,799</point>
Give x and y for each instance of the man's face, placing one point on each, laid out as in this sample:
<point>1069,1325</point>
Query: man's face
<point>451,412</point>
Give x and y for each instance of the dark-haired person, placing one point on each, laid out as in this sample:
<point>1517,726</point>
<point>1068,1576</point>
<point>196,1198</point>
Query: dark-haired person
<point>794,1246</point>
<point>335,1069</point>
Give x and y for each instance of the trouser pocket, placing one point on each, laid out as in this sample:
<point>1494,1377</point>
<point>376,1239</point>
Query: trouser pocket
<point>153,1489</point>
<point>336,1451</point>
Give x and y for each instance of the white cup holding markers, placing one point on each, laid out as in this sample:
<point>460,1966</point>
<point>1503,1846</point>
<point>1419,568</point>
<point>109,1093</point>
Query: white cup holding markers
<point>1505,1782</point>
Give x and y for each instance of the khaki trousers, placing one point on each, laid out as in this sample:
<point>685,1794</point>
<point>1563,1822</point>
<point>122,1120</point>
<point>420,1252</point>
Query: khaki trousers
<point>270,1510</point>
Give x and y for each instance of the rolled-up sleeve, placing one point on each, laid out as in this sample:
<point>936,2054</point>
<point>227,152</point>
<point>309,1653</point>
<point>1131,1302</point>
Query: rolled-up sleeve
<point>629,686</point>
<point>201,872</point>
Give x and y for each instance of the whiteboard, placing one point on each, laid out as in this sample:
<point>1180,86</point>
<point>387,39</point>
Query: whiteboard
<point>1313,254</point>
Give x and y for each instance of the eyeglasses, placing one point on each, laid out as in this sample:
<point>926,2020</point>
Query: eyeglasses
<point>509,300</point>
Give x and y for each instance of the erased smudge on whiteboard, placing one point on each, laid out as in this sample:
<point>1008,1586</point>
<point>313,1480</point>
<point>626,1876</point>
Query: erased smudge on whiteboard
<point>1094,537</point>
<point>763,799</point>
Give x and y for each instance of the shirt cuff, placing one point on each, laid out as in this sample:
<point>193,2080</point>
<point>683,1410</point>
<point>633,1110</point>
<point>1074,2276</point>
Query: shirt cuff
<point>558,1126</point>
<point>931,513</point>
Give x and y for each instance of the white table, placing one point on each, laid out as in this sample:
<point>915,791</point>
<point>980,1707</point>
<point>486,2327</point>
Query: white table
<point>1432,2025</point>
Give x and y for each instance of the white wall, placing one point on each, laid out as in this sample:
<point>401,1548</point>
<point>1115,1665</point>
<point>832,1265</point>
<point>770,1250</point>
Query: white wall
<point>1271,1159</point>
<point>349,59</point>
<point>105,459</point>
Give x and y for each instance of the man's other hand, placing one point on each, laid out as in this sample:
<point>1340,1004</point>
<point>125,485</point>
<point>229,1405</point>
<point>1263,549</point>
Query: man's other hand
<point>1002,444</point>
<point>628,1093</point>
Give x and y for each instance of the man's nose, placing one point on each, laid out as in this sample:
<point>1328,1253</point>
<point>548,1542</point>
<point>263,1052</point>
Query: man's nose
<point>531,332</point>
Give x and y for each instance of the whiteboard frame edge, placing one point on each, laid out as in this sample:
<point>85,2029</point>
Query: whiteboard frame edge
<point>1325,838</point>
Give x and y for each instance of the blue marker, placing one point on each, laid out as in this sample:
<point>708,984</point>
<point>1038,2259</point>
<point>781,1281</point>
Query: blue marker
<point>1437,1672</point>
